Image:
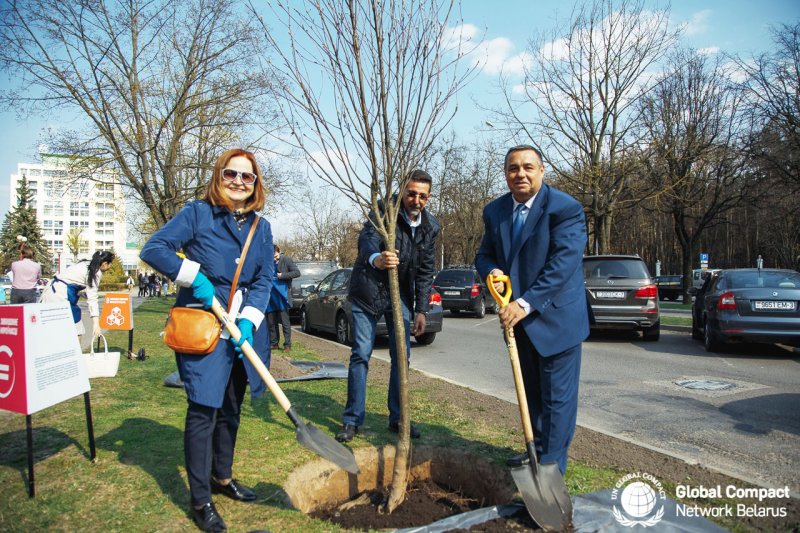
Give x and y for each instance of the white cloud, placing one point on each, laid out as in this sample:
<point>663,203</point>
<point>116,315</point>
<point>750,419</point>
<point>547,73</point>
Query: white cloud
<point>456,37</point>
<point>697,23</point>
<point>489,56</point>
<point>708,51</point>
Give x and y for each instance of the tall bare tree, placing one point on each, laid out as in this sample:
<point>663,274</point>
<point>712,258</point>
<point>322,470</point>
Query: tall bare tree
<point>388,72</point>
<point>694,123</point>
<point>773,91</point>
<point>468,178</point>
<point>576,101</point>
<point>163,86</point>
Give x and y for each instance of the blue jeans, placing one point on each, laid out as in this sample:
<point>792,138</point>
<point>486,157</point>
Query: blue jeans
<point>364,326</point>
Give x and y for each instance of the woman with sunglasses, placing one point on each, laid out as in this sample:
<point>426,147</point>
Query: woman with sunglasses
<point>211,233</point>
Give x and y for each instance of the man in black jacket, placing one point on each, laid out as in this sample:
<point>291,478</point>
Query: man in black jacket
<point>285,271</point>
<point>413,258</point>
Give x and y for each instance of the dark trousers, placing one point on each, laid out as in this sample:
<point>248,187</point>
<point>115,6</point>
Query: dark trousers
<point>210,437</point>
<point>278,320</point>
<point>23,296</point>
<point>551,387</point>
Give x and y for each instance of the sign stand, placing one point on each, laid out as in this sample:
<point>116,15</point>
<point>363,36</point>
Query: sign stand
<point>41,365</point>
<point>29,431</point>
<point>117,314</point>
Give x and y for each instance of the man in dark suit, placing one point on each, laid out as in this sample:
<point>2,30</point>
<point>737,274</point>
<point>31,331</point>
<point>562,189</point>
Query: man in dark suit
<point>536,234</point>
<point>285,272</point>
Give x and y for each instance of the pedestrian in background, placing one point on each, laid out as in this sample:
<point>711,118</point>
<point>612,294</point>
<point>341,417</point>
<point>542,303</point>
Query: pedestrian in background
<point>285,272</point>
<point>81,278</point>
<point>25,274</point>
<point>536,235</point>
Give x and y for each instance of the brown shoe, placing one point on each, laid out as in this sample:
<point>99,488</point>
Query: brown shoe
<point>287,348</point>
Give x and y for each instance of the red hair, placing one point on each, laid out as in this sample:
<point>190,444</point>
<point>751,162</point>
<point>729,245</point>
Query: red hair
<point>215,194</point>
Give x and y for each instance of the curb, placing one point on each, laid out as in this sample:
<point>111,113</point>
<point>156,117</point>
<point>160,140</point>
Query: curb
<point>685,458</point>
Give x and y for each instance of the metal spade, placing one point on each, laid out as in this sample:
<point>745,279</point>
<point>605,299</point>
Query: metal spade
<point>309,436</point>
<point>541,485</point>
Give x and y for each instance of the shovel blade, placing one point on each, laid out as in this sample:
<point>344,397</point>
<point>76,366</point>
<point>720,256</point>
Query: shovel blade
<point>326,447</point>
<point>545,495</point>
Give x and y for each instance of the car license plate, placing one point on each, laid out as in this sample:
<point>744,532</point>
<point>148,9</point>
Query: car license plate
<point>610,294</point>
<point>452,293</point>
<point>774,306</point>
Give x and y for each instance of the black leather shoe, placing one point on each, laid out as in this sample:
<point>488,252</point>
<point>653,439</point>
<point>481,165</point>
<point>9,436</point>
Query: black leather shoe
<point>347,433</point>
<point>518,460</point>
<point>208,519</point>
<point>233,490</point>
<point>394,427</point>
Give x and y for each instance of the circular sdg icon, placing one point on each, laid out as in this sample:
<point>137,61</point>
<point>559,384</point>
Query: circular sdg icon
<point>638,499</point>
<point>7,372</point>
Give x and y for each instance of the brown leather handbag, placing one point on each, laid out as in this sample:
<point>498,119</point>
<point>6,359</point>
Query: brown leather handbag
<point>195,331</point>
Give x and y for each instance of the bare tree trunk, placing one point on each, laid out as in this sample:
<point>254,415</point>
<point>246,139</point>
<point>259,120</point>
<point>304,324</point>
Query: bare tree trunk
<point>403,454</point>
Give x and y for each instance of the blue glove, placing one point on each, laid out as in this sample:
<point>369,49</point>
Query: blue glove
<point>246,327</point>
<point>203,290</point>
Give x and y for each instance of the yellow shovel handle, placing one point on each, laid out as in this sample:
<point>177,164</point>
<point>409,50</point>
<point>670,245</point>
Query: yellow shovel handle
<point>502,300</point>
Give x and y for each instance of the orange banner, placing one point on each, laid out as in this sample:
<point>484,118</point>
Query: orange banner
<point>117,311</point>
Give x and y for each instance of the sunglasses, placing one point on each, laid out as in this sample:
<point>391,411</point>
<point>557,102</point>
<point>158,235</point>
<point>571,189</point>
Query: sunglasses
<point>414,194</point>
<point>248,178</point>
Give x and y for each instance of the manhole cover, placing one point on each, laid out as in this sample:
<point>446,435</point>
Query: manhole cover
<point>705,384</point>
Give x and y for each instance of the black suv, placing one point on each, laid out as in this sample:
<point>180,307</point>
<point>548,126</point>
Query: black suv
<point>622,294</point>
<point>311,273</point>
<point>462,289</point>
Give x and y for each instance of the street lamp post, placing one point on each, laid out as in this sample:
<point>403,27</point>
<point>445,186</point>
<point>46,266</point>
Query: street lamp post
<point>21,239</point>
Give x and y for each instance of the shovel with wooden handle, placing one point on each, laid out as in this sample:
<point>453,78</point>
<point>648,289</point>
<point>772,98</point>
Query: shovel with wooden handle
<point>309,436</point>
<point>541,485</point>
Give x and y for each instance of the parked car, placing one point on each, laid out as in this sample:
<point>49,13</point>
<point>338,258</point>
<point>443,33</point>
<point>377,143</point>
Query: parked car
<point>462,289</point>
<point>669,287</point>
<point>622,294</point>
<point>311,273</point>
<point>326,308</point>
<point>699,276</point>
<point>5,286</point>
<point>41,283</point>
<point>747,305</point>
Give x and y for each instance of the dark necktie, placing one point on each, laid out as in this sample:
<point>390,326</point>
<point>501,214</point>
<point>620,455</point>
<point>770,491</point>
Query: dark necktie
<point>518,223</point>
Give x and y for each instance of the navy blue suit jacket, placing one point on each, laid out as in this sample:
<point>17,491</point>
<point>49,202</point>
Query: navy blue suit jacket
<point>545,266</point>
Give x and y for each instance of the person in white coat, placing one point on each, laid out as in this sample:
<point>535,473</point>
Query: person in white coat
<point>81,278</point>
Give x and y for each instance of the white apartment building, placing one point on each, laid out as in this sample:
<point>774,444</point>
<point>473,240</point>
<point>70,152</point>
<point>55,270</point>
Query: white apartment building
<point>62,201</point>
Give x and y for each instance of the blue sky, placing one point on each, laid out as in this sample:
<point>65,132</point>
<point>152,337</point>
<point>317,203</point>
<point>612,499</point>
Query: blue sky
<point>733,26</point>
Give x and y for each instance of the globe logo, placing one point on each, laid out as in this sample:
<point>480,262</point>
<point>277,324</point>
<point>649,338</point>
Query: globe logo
<point>638,499</point>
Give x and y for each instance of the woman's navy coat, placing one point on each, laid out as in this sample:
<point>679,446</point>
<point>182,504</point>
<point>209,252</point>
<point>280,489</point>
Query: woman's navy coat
<point>212,242</point>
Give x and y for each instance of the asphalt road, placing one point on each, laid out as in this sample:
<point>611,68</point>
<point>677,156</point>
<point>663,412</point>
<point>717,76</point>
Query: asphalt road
<point>629,390</point>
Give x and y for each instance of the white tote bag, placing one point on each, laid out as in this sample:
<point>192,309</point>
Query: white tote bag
<point>101,364</point>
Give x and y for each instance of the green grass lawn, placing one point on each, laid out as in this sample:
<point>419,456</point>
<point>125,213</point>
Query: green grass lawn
<point>676,320</point>
<point>668,305</point>
<point>138,482</point>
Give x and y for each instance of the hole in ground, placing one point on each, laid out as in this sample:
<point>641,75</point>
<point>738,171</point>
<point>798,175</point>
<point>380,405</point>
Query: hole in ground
<point>442,482</point>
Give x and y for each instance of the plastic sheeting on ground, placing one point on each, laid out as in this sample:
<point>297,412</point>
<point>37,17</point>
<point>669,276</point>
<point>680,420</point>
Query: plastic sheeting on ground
<point>592,512</point>
<point>325,370</point>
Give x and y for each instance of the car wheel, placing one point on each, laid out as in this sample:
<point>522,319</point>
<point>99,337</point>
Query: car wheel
<point>493,309</point>
<point>652,333</point>
<point>710,339</point>
<point>343,330</point>
<point>426,338</point>
<point>480,312</point>
<point>305,325</point>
